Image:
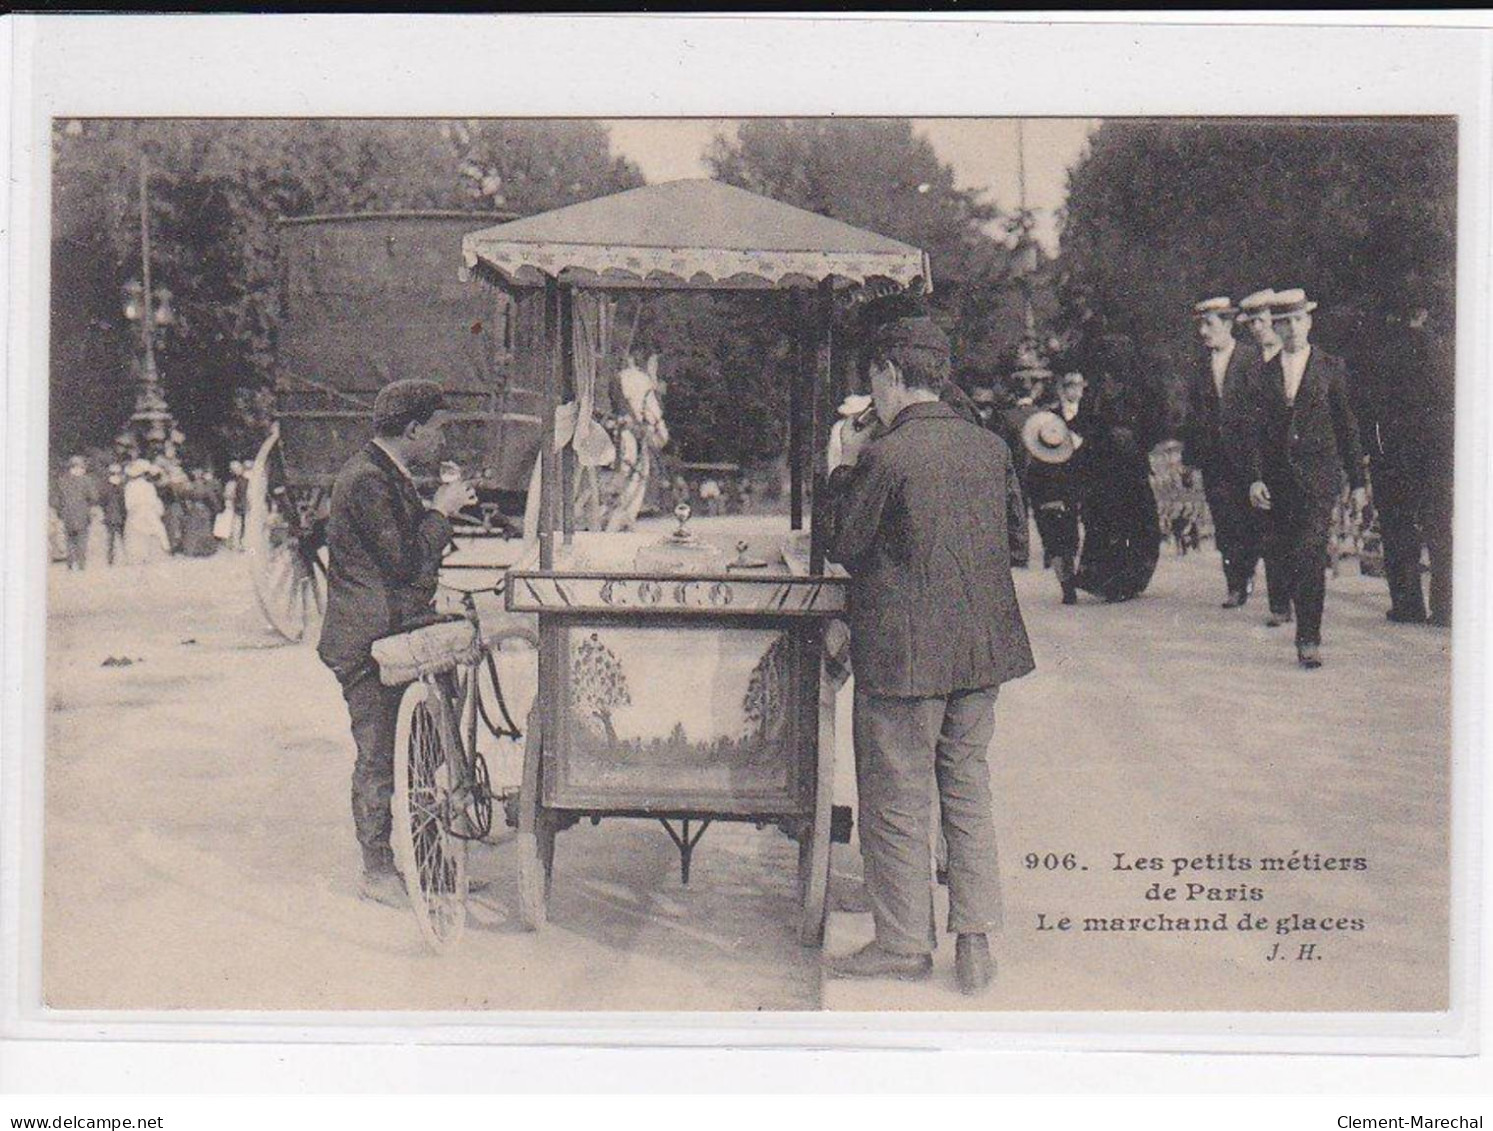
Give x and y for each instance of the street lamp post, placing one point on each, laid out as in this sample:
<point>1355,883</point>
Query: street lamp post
<point>151,421</point>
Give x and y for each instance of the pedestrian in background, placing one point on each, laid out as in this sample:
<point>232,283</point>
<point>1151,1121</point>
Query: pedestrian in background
<point>77,495</point>
<point>112,502</point>
<point>145,538</point>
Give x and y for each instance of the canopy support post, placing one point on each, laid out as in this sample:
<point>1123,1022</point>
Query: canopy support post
<point>551,402</point>
<point>567,391</point>
<point>799,378</point>
<point>822,408</point>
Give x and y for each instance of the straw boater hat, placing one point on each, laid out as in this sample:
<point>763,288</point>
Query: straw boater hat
<point>855,404</point>
<point>1289,302</point>
<point>1220,306</point>
<point>1047,436</point>
<point>1254,304</point>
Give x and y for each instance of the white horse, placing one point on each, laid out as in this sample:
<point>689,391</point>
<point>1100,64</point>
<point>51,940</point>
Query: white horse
<point>610,498</point>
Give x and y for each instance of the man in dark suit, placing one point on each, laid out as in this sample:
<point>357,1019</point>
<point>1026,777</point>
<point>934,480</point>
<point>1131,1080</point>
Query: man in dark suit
<point>1405,405</point>
<point>1216,396</point>
<point>1255,313</point>
<point>1302,438</point>
<point>924,528</point>
<point>384,551</point>
<point>77,495</point>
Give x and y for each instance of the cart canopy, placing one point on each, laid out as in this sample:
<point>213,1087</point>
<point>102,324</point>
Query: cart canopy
<point>688,234</point>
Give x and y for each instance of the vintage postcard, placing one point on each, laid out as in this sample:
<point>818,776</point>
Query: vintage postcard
<point>982,563</point>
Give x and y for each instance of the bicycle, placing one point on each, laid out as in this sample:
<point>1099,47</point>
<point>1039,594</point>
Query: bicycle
<point>443,792</point>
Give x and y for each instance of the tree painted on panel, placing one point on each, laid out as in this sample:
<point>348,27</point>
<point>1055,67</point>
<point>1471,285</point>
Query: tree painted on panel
<point>765,704</point>
<point>598,685</point>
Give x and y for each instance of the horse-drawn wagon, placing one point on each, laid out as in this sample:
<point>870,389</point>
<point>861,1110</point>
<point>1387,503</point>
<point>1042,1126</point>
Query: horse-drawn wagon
<point>368,299</point>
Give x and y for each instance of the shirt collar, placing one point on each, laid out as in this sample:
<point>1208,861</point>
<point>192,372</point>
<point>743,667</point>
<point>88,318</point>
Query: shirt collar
<point>394,459</point>
<point>923,410</point>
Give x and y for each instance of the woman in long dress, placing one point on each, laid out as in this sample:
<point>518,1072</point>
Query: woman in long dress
<point>1122,533</point>
<point>145,537</point>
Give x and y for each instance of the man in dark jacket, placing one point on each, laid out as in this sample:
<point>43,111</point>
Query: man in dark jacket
<point>924,515</point>
<point>1405,409</point>
<point>1301,439</point>
<point>384,551</point>
<point>77,495</point>
<point>1215,399</point>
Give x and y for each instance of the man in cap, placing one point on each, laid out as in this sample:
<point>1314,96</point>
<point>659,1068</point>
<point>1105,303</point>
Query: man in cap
<point>1215,396</point>
<point>925,516</point>
<point>384,551</point>
<point>1301,439</point>
<point>77,495</point>
<point>1255,312</point>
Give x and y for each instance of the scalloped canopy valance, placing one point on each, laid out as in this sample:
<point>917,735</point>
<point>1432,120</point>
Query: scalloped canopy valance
<point>691,234</point>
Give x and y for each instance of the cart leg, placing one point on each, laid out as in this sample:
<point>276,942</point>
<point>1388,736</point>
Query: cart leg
<point>685,843</point>
<point>814,841</point>
<point>536,838</point>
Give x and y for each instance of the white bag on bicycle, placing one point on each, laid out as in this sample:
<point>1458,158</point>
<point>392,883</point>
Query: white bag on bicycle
<point>430,650</point>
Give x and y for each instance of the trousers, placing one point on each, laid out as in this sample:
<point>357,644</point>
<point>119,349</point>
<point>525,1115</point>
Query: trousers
<point>374,711</point>
<point>77,549</point>
<point>1415,510</point>
<point>902,748</point>
<point>1236,532</point>
<point>1300,528</point>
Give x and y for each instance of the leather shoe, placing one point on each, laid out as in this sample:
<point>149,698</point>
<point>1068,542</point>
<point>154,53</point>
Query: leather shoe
<point>871,961</point>
<point>973,967</point>
<point>1276,619</point>
<point>383,887</point>
<point>1309,655</point>
<point>1236,599</point>
<point>1402,616</point>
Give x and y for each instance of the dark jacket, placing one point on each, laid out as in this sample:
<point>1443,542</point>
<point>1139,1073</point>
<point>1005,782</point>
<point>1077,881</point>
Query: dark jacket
<point>384,551</point>
<point>1306,445</point>
<point>1213,422</point>
<point>924,529</point>
<point>77,495</point>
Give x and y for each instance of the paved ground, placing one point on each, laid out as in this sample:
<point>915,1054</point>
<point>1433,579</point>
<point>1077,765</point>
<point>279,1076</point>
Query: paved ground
<point>198,849</point>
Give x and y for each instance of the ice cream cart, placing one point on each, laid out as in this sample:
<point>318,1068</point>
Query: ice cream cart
<point>680,675</point>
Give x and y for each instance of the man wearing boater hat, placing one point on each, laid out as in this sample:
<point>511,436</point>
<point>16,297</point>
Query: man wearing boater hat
<point>1255,313</point>
<point>1301,439</point>
<point>384,548</point>
<point>1215,399</point>
<point>924,526</point>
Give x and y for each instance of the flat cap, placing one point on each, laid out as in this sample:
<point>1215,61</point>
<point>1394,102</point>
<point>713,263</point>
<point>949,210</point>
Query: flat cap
<point>400,402</point>
<point>1220,306</point>
<point>911,333</point>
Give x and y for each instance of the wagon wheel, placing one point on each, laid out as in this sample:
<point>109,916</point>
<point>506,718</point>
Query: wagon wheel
<point>285,586</point>
<point>536,837</point>
<point>432,859</point>
<point>814,840</point>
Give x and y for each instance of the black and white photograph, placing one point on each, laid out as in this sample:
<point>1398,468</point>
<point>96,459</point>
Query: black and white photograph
<point>771,563</point>
<point>905,565</point>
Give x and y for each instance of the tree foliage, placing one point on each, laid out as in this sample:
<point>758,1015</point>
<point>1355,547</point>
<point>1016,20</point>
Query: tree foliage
<point>217,188</point>
<point>1161,213</point>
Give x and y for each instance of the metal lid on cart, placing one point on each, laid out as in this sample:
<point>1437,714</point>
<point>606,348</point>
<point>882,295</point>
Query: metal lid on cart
<point>689,234</point>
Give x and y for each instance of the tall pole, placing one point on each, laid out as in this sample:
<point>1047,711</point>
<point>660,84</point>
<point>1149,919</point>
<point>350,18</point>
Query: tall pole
<point>1024,237</point>
<point>152,417</point>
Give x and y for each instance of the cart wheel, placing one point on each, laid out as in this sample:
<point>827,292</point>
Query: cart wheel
<point>536,837</point>
<point>284,587</point>
<point>433,861</point>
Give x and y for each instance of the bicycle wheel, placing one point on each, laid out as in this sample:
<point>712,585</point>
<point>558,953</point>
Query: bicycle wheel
<point>432,860</point>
